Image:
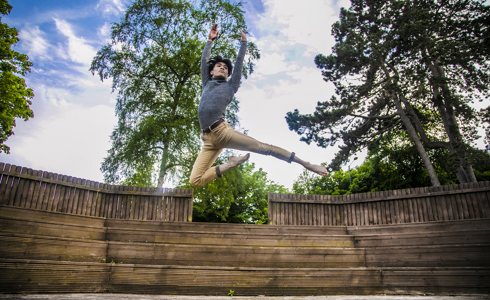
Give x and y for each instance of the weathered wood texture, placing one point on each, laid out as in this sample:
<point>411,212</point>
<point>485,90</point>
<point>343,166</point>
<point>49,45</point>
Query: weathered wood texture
<point>27,188</point>
<point>53,252</point>
<point>444,203</point>
<point>462,243</point>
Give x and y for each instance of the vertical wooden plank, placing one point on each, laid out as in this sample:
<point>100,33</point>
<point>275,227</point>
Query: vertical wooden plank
<point>178,209</point>
<point>75,192</point>
<point>95,198</point>
<point>21,191</point>
<point>459,205</point>
<point>357,209</point>
<point>423,209</point>
<point>464,204</point>
<point>87,207</point>
<point>469,202</point>
<point>414,206</point>
<point>65,206</point>
<point>365,212</point>
<point>27,201</point>
<point>103,196</point>
<point>407,204</point>
<point>8,197</point>
<point>56,194</point>
<point>134,199</point>
<point>52,192</point>
<point>4,183</point>
<point>169,210</point>
<point>165,208</point>
<point>449,204</point>
<point>122,202</point>
<point>16,188</point>
<point>39,195</point>
<point>485,204</point>
<point>428,205</point>
<point>99,200</point>
<point>376,212</point>
<point>61,189</point>
<point>137,206</point>
<point>282,213</point>
<point>454,207</point>
<point>173,208</point>
<point>36,189</point>
<point>109,201</point>
<point>476,202</point>
<point>49,191</point>
<point>83,198</point>
<point>301,214</point>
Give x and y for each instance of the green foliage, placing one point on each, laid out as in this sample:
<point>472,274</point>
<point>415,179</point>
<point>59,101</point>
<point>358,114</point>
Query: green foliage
<point>390,167</point>
<point>240,196</point>
<point>15,97</point>
<point>231,293</point>
<point>403,67</point>
<point>154,62</point>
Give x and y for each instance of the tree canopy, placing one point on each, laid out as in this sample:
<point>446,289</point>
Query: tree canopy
<point>154,62</point>
<point>15,96</point>
<point>390,167</point>
<point>404,66</point>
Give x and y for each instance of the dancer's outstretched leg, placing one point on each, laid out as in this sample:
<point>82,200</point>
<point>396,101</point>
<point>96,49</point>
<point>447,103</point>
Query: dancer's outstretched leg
<point>319,169</point>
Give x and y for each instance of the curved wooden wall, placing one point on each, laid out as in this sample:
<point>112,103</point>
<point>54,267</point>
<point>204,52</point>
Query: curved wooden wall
<point>27,188</point>
<point>444,203</point>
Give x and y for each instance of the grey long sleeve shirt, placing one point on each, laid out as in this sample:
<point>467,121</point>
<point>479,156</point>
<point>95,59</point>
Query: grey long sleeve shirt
<point>217,94</point>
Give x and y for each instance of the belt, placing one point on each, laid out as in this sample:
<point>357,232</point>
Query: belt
<point>213,126</point>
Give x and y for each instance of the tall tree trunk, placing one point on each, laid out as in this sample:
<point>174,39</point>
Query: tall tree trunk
<point>163,166</point>
<point>418,144</point>
<point>444,104</point>
<point>412,133</point>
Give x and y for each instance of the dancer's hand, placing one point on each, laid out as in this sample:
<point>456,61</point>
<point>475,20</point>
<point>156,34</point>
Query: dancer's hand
<point>244,36</point>
<point>213,33</point>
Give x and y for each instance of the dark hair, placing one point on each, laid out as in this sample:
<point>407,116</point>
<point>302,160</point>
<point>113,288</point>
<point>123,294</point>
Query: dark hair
<point>213,61</point>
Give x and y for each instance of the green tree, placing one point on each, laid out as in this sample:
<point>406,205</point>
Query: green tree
<point>15,96</point>
<point>240,196</point>
<point>391,167</point>
<point>154,62</point>
<point>403,66</point>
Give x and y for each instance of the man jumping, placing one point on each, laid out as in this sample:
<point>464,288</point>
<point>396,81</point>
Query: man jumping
<point>217,134</point>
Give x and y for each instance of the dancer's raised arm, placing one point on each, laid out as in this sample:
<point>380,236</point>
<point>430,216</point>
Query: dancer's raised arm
<point>213,33</point>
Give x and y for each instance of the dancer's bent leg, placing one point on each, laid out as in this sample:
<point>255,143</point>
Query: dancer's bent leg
<point>202,173</point>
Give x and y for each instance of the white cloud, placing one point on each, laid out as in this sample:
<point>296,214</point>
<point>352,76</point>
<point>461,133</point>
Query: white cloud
<point>34,43</point>
<point>78,49</point>
<point>105,30</point>
<point>301,22</point>
<point>73,141</point>
<point>114,7</point>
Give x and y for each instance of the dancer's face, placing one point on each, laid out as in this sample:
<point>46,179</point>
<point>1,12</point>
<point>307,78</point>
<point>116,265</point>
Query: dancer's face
<point>220,70</point>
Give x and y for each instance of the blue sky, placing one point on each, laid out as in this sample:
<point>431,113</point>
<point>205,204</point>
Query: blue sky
<point>74,111</point>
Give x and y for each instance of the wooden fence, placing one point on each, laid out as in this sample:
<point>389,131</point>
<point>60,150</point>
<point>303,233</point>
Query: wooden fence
<point>27,188</point>
<point>451,202</point>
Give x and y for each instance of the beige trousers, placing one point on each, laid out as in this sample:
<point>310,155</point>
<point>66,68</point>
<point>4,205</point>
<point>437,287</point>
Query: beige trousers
<point>222,137</point>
